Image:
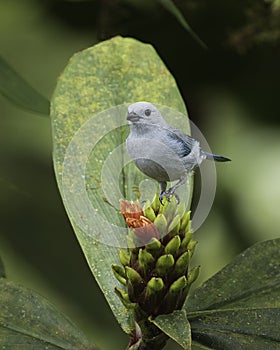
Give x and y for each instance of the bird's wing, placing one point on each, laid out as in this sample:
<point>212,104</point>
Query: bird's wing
<point>183,142</point>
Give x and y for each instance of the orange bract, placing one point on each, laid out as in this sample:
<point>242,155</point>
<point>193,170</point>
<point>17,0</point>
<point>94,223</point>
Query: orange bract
<point>130,209</point>
<point>143,228</point>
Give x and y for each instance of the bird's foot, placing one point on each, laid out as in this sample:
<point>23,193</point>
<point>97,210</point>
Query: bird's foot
<point>171,192</point>
<point>168,195</point>
<point>161,196</point>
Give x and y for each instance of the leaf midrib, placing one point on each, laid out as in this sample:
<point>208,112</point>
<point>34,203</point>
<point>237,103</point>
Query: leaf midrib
<point>244,295</point>
<point>192,316</point>
<point>31,335</point>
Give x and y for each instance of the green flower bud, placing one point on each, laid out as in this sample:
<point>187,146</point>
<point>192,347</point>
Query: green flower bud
<point>149,213</point>
<point>161,224</point>
<point>181,209</point>
<point>152,295</point>
<point>164,264</point>
<point>146,260</point>
<point>133,276</point>
<point>154,285</point>
<point>188,227</point>
<point>156,203</point>
<point>173,245</point>
<point>191,246</point>
<point>186,240</point>
<point>124,298</point>
<point>193,274</point>
<point>146,205</point>
<point>182,264</point>
<point>175,224</point>
<point>178,285</point>
<point>162,205</point>
<point>169,208</point>
<point>154,245</point>
<point>173,298</point>
<point>135,283</point>
<point>124,257</point>
<point>119,273</point>
<point>185,221</point>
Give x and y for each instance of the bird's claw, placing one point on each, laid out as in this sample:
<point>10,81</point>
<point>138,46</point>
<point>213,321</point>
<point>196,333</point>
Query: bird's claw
<point>168,195</point>
<point>161,196</point>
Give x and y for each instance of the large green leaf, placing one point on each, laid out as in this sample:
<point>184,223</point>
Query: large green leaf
<point>19,92</point>
<point>237,328</point>
<point>89,130</point>
<point>239,307</point>
<point>28,321</point>
<point>176,326</point>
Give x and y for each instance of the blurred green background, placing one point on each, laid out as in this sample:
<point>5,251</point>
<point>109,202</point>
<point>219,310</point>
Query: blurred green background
<point>232,94</point>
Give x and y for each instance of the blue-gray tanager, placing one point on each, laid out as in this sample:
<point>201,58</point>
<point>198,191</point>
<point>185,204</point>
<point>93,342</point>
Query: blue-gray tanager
<point>161,151</point>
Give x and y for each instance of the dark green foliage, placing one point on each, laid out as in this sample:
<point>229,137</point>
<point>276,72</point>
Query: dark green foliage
<point>28,321</point>
<point>18,91</point>
<point>2,269</point>
<point>239,307</point>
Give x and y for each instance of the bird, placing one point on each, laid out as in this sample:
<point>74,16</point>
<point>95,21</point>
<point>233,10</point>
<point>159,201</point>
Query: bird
<point>161,151</point>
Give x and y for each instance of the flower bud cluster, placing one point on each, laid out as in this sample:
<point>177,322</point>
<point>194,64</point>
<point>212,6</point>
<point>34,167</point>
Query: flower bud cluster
<point>155,269</point>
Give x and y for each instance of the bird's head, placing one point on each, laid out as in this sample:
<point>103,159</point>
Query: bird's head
<point>144,113</point>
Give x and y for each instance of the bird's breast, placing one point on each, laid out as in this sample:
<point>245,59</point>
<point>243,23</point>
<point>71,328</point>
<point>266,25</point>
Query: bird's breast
<point>154,158</point>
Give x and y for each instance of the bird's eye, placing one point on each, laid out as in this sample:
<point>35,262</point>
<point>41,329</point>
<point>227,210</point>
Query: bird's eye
<point>148,112</point>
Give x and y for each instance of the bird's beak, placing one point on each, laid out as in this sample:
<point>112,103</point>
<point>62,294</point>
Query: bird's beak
<point>132,117</point>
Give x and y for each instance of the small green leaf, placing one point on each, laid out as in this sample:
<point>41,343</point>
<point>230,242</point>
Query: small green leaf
<point>88,110</point>
<point>239,307</point>
<point>173,9</point>
<point>28,321</point>
<point>176,326</point>
<point>19,92</point>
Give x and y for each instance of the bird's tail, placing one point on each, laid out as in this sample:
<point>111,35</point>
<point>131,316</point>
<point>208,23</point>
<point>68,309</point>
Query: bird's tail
<point>216,157</point>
